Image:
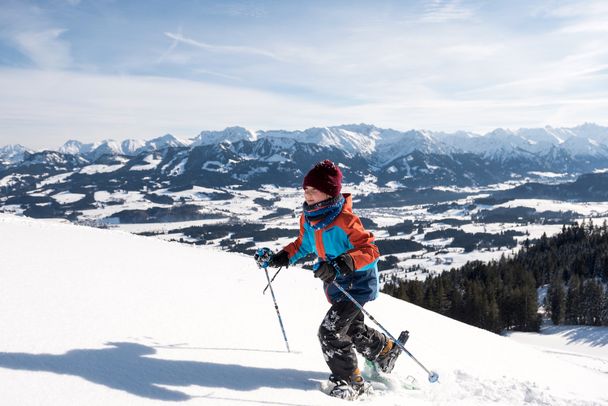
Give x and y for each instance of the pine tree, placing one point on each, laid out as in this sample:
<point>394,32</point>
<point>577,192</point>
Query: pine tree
<point>557,301</point>
<point>574,301</point>
<point>592,303</point>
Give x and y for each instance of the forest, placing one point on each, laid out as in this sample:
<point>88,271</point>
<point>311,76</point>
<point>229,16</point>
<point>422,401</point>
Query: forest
<point>571,267</point>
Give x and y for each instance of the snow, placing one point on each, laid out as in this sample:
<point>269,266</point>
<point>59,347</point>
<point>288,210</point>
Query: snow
<point>179,168</point>
<point>151,163</point>
<point>91,169</point>
<point>165,227</point>
<point>384,145</point>
<point>67,197</point>
<point>548,174</point>
<point>51,180</point>
<point>119,196</point>
<point>102,317</point>
<point>41,193</point>
<point>10,180</point>
<point>230,134</point>
<point>582,208</point>
<point>194,193</point>
<point>582,345</point>
<point>215,166</point>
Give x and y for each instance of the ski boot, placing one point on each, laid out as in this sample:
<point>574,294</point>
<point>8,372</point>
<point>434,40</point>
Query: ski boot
<point>351,388</point>
<point>386,362</point>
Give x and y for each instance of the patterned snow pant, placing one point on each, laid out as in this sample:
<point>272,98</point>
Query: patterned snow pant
<point>341,330</point>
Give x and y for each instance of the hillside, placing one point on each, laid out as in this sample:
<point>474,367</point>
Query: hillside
<point>101,317</point>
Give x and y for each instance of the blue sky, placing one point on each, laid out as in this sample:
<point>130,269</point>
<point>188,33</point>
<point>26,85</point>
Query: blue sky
<point>93,70</point>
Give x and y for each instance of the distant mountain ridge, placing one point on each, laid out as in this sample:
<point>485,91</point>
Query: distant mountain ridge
<point>380,146</point>
<point>389,160</point>
<point>129,147</point>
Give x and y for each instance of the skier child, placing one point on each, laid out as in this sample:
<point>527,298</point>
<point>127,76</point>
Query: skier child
<point>347,254</point>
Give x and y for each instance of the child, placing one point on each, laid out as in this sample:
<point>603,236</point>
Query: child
<point>347,254</point>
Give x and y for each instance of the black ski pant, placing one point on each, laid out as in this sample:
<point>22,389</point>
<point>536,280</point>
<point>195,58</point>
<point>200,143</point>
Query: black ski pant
<point>342,329</point>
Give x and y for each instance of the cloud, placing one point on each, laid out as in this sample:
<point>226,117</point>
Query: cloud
<point>217,74</point>
<point>440,11</point>
<point>44,48</point>
<point>575,9</point>
<point>589,17</point>
<point>27,29</point>
<point>229,49</point>
<point>45,108</point>
<point>403,65</point>
<point>590,25</point>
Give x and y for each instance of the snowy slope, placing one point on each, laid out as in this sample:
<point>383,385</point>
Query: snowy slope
<point>102,317</point>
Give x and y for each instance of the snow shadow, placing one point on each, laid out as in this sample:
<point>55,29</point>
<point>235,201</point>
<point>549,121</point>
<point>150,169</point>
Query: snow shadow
<point>126,366</point>
<point>590,335</point>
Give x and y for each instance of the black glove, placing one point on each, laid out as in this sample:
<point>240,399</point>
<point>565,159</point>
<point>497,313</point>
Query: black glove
<point>325,272</point>
<point>328,271</point>
<point>279,259</point>
<point>344,264</point>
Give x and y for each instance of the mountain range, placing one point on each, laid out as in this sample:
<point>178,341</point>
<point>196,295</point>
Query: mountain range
<point>394,162</point>
<point>380,146</point>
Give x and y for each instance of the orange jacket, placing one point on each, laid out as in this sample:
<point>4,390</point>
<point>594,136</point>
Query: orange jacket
<point>344,235</point>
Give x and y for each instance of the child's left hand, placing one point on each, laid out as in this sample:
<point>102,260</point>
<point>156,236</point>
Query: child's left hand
<point>342,264</point>
<point>326,272</point>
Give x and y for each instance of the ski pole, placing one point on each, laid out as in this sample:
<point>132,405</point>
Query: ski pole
<point>433,377</point>
<point>272,280</point>
<point>262,259</point>
<point>277,309</point>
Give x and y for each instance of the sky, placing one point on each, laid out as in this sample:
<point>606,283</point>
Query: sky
<point>109,69</point>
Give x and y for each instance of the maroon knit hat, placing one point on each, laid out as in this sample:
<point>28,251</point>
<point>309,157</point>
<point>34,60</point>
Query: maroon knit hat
<point>326,177</point>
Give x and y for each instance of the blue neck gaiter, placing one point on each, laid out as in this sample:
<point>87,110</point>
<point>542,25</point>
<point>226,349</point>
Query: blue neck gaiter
<point>325,211</point>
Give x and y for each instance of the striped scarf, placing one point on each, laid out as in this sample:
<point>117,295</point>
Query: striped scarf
<point>325,211</point>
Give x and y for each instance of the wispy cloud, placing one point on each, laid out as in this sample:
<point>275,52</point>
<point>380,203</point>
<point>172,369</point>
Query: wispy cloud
<point>217,74</point>
<point>439,11</point>
<point>28,29</point>
<point>590,25</point>
<point>442,65</point>
<point>142,107</point>
<point>574,9</point>
<point>589,17</point>
<point>45,48</point>
<point>171,48</point>
<point>230,49</point>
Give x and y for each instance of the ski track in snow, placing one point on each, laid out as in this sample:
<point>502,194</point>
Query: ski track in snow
<point>103,317</point>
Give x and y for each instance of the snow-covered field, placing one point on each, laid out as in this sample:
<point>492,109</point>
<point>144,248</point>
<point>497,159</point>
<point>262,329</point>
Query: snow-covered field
<point>104,317</point>
<point>279,208</point>
<point>581,345</point>
<point>240,206</point>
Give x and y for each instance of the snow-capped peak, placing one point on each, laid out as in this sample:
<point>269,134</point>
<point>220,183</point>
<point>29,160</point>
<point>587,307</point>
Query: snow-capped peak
<point>230,134</point>
<point>381,145</point>
<point>131,146</point>
<point>71,147</point>
<point>13,153</point>
<point>166,141</point>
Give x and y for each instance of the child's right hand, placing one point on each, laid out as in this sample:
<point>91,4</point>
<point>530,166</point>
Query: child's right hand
<point>279,259</point>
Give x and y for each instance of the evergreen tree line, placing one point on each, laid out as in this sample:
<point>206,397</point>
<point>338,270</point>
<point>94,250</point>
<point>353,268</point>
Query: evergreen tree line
<point>502,295</point>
